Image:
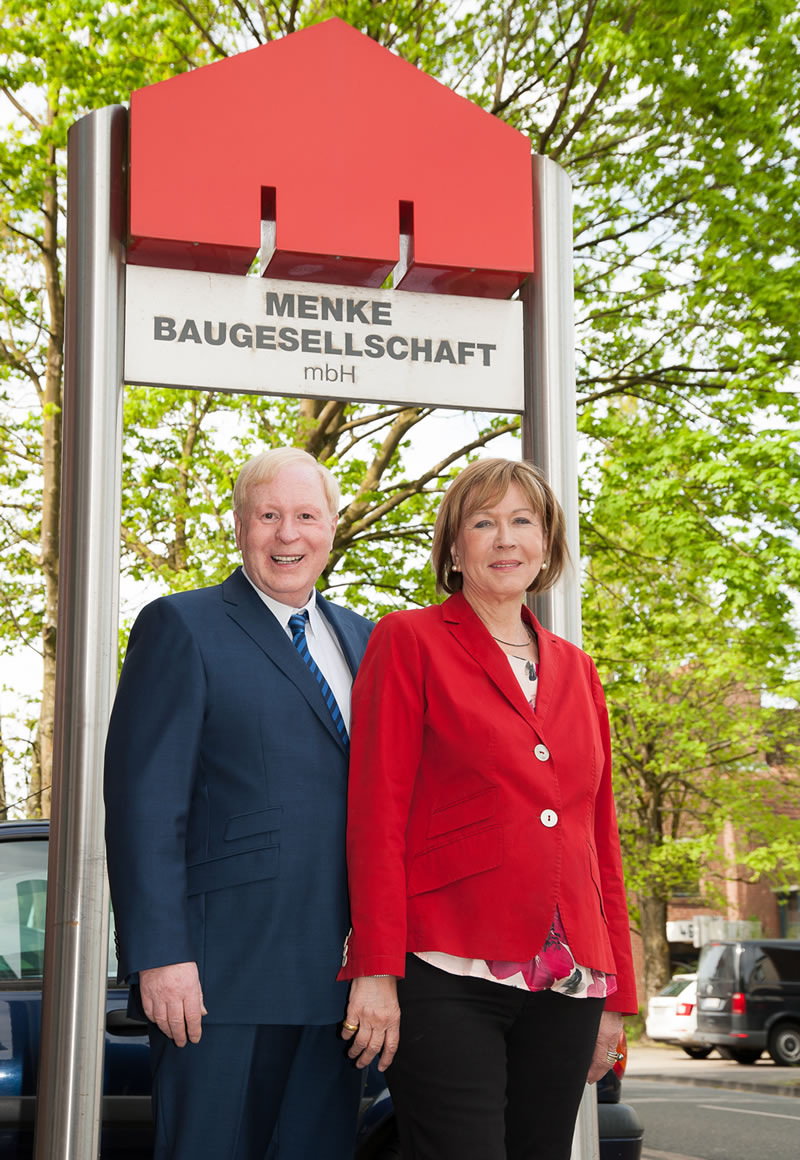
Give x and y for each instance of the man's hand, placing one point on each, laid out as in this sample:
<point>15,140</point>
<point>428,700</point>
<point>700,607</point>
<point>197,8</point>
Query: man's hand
<point>374,1013</point>
<point>172,998</point>
<point>607,1039</point>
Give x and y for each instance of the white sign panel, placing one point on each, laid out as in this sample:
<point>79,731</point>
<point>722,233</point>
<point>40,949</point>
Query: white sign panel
<point>231,333</point>
<point>681,930</point>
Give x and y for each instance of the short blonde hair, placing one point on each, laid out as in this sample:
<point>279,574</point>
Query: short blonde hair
<point>485,482</point>
<point>264,467</point>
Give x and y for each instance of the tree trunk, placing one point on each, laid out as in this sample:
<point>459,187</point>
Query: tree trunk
<point>41,770</point>
<point>653,921</point>
<point>3,799</point>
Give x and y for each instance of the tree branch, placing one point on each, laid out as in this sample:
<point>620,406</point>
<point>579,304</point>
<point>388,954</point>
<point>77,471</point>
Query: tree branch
<point>23,112</point>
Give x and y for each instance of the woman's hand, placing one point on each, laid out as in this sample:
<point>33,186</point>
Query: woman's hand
<point>373,1020</point>
<point>607,1039</point>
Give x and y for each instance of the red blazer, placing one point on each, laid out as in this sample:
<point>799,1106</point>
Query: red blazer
<point>470,817</point>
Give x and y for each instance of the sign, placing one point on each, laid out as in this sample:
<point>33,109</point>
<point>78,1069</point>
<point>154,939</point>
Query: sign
<point>714,928</point>
<point>248,334</point>
<point>354,160</point>
<point>681,930</point>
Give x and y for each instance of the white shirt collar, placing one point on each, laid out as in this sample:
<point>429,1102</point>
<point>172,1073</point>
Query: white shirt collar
<point>282,611</point>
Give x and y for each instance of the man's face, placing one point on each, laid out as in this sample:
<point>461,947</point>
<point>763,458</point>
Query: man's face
<point>286,534</point>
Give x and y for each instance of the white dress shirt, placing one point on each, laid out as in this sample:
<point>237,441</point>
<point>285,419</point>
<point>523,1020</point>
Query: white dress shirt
<point>323,644</point>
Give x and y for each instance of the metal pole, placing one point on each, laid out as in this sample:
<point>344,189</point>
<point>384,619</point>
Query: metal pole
<point>75,970</point>
<point>549,425</point>
<point>586,1141</point>
<point>550,435</point>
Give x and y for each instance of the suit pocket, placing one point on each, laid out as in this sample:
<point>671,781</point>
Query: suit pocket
<point>247,825</point>
<point>234,870</point>
<point>476,808</point>
<point>459,858</point>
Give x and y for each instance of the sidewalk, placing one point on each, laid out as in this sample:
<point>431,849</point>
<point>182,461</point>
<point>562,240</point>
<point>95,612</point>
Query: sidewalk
<point>664,1062</point>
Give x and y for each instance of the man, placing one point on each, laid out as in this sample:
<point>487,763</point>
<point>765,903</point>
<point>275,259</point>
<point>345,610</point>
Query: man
<point>225,784</point>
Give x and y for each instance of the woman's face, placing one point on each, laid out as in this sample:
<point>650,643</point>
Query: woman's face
<point>499,550</point>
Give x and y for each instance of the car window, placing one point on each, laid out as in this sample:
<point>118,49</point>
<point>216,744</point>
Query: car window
<point>23,898</point>
<point>112,947</point>
<point>716,962</point>
<point>23,902</point>
<point>674,987</point>
<point>773,965</point>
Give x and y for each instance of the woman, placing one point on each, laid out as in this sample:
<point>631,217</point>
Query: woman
<point>484,863</point>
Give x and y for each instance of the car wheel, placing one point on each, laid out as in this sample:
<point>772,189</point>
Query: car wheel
<point>784,1044</point>
<point>697,1052</point>
<point>745,1054</point>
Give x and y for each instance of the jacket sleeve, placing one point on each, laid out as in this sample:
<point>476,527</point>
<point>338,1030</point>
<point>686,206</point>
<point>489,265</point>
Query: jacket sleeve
<point>151,755</point>
<point>386,744</point>
<point>609,859</point>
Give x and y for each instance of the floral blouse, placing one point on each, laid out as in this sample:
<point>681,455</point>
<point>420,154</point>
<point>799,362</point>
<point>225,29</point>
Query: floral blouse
<point>554,967</point>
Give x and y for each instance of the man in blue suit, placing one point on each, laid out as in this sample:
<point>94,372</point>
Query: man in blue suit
<point>225,785</point>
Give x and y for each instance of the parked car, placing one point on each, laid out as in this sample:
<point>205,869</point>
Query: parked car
<point>748,999</point>
<point>672,1016</point>
<point>126,1127</point>
<point>126,1102</point>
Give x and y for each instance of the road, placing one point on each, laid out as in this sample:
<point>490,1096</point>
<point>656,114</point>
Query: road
<point>682,1122</point>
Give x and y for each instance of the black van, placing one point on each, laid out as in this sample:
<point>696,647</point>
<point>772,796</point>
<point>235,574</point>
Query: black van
<point>748,998</point>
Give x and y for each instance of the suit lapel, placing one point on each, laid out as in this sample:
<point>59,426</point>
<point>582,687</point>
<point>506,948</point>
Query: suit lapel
<point>471,633</point>
<point>551,654</point>
<point>246,609</point>
<point>468,629</point>
<point>344,630</point>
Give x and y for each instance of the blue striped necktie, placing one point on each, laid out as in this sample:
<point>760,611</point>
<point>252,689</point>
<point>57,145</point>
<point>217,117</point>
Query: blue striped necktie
<point>297,626</point>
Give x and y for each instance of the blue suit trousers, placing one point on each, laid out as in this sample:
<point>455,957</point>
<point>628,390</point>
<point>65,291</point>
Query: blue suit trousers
<point>264,1092</point>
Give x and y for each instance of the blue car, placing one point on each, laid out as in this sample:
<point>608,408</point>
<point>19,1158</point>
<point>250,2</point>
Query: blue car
<point>127,1132</point>
<point>126,1083</point>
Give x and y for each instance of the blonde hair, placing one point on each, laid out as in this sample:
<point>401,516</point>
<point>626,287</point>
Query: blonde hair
<point>264,467</point>
<point>485,482</point>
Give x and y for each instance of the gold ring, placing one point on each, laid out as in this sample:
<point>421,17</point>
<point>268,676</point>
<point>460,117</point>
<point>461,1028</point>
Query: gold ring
<point>349,1026</point>
<point>611,1056</point>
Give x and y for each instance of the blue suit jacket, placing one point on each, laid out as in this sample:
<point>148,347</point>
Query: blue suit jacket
<point>225,788</point>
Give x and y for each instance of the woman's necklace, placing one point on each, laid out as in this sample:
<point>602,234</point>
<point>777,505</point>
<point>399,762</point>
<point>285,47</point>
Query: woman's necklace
<point>511,643</point>
<point>531,668</point>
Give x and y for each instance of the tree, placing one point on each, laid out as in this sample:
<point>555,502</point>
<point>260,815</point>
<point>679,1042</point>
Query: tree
<point>688,637</point>
<point>3,806</point>
<point>678,130</point>
<point>178,480</point>
<point>58,60</point>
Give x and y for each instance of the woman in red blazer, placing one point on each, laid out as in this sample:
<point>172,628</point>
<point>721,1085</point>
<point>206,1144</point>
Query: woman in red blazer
<point>484,864</point>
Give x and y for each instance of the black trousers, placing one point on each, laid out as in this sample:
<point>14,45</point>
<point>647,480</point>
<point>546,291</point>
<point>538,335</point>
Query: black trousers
<point>486,1071</point>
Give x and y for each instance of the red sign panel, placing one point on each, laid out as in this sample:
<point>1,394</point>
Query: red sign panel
<point>342,147</point>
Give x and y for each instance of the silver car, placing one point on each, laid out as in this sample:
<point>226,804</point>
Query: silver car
<point>672,1016</point>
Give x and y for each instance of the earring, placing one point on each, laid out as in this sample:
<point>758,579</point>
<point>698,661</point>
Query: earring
<point>544,565</point>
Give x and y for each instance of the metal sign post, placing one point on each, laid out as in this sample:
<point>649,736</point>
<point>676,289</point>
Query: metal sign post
<point>75,979</point>
<point>550,436</point>
<point>287,336</point>
<point>549,422</point>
